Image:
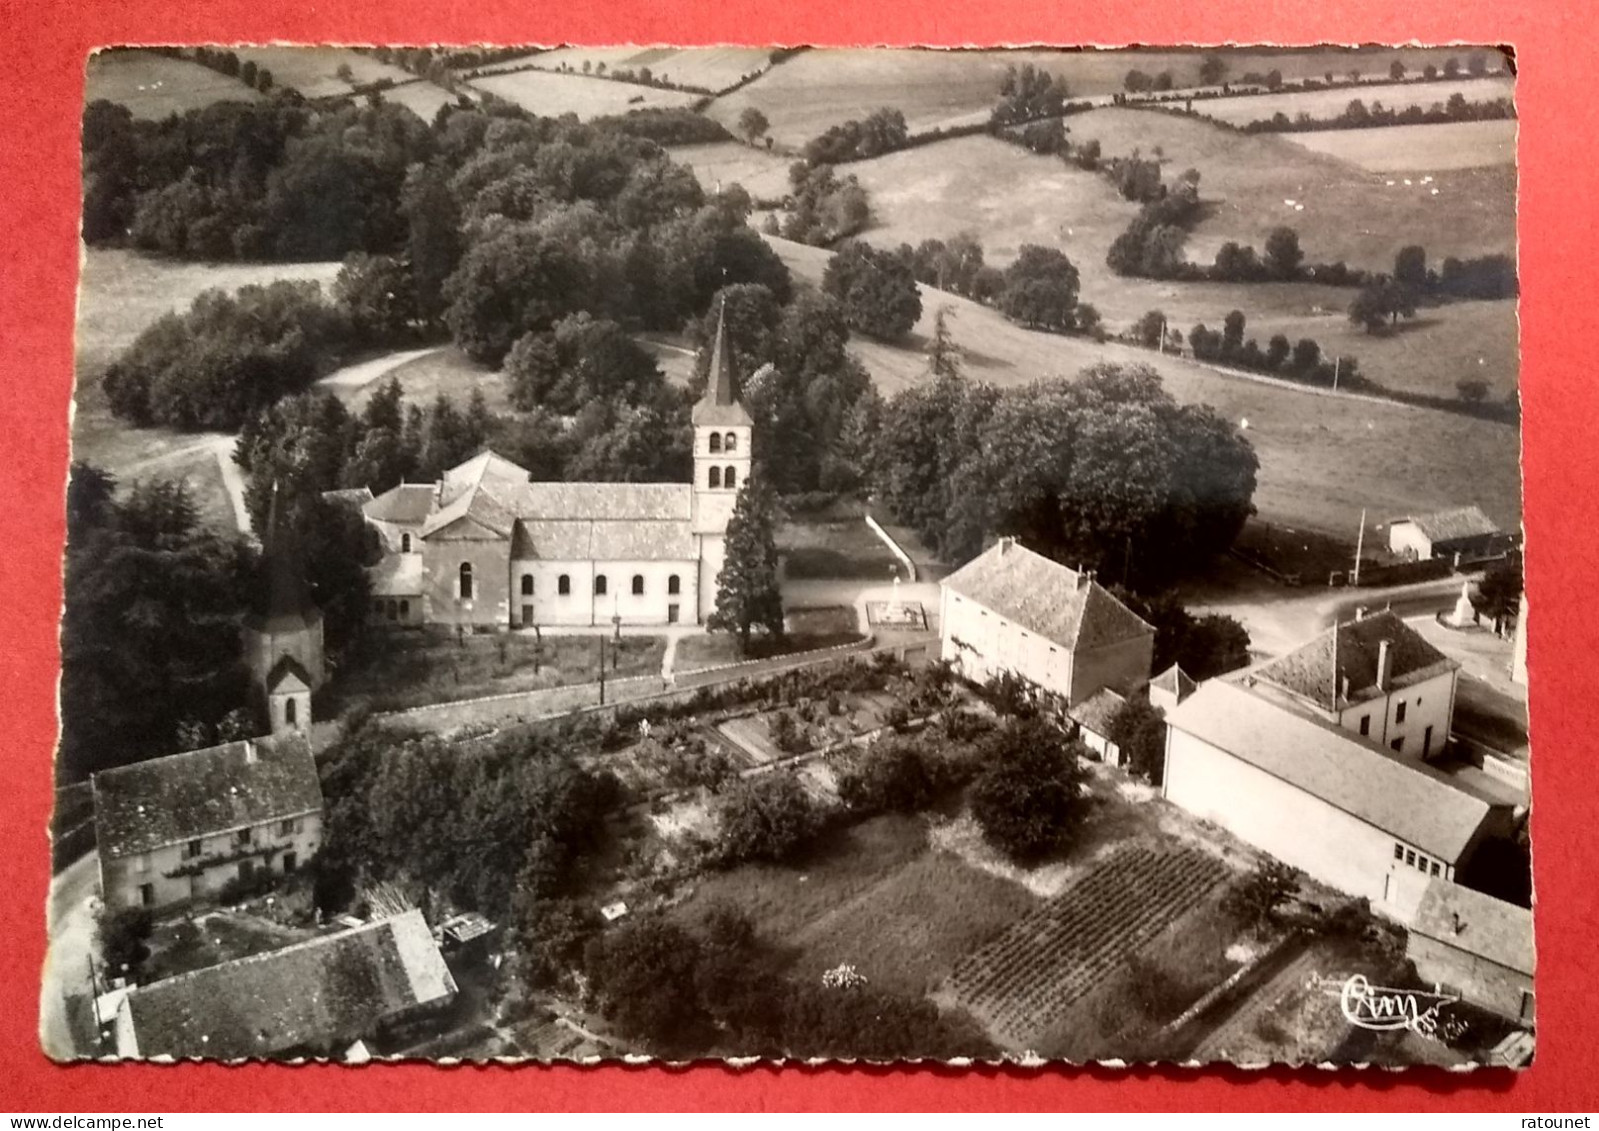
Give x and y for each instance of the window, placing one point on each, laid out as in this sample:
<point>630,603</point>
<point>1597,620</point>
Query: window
<point>466,581</point>
<point>290,861</point>
<point>405,543</point>
<point>600,585</point>
<point>242,837</point>
<point>729,478</point>
<point>716,441</point>
<point>143,864</point>
<point>1399,715</point>
<point>146,894</point>
<point>730,444</point>
<point>392,610</point>
<point>563,585</point>
<point>288,827</point>
<point>1433,869</point>
<point>405,609</point>
<point>674,585</point>
<point>1365,724</point>
<point>715,479</point>
<point>192,849</point>
<point>291,712</point>
<point>527,585</point>
<point>1398,744</point>
<point>1426,742</point>
<point>1410,857</point>
<point>1399,851</point>
<point>638,585</point>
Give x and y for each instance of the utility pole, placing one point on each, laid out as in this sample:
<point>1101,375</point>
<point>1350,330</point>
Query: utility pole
<point>602,669</point>
<point>1360,543</point>
<point>1337,364</point>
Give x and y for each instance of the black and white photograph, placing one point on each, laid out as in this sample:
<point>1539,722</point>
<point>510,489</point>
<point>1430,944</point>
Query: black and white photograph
<point>795,553</point>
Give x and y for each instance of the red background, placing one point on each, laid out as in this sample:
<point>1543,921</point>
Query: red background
<point>45,46</point>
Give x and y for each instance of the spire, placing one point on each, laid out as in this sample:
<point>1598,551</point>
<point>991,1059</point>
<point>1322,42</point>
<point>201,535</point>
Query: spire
<point>286,591</point>
<point>721,387</point>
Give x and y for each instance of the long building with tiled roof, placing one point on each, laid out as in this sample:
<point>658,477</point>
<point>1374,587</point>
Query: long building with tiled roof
<point>486,547</point>
<point>1012,610</point>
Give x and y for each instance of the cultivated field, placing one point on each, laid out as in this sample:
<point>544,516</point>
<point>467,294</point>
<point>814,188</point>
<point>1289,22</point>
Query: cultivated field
<point>551,95</point>
<point>1255,183</point>
<point>1330,103</point>
<point>313,71</point>
<point>708,68</point>
<point>1323,457</point>
<point>154,86</point>
<point>1437,148</point>
<point>763,174</point>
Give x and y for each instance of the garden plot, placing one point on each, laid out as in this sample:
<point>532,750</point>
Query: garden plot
<point>811,725</point>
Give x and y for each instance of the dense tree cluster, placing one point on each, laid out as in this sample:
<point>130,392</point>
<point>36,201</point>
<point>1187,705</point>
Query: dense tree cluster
<point>875,289</point>
<point>1297,361</point>
<point>1107,470</point>
<point>1152,244</point>
<point>823,207</point>
<point>954,265</point>
<point>1028,92</point>
<point>1136,81</point>
<point>1205,646</point>
<point>881,131</point>
<point>1359,115</point>
<point>1040,289</point>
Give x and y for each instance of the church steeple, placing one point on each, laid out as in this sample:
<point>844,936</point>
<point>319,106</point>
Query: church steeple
<point>721,406</point>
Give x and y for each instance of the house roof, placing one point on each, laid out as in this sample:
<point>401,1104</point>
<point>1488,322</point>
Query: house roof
<point>1045,597</point>
<point>721,405</point>
<point>286,667</point>
<point>1452,524</point>
<point>1174,681</point>
<point>313,995</point>
<point>203,792</point>
<point>1489,928</point>
<point>1316,670</point>
<point>408,504</point>
<point>1096,712</point>
<point>1407,799</point>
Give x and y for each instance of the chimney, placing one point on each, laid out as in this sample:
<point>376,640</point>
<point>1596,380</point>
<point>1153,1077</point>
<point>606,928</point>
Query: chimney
<point>1385,664</point>
<point>1004,546</point>
<point>249,753</point>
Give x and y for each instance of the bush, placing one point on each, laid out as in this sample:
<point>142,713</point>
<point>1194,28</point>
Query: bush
<point>124,939</point>
<point>875,289</point>
<point>769,817</point>
<point>1256,899</point>
<point>1027,800</point>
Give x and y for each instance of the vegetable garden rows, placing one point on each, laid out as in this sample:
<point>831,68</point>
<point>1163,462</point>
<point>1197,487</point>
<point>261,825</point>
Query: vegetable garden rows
<point>1026,977</point>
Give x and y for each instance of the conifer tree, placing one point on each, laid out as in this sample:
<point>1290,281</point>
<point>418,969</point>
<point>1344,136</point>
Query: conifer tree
<point>747,591</point>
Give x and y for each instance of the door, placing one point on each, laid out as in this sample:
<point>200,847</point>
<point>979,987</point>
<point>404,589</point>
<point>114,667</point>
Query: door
<point>289,863</point>
<point>146,894</point>
<point>1426,743</point>
<point>671,614</point>
<point>527,616</point>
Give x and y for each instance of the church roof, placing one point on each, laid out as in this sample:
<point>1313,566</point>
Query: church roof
<point>721,406</point>
<point>604,541</point>
<point>408,503</point>
<point>286,667</point>
<point>1316,670</point>
<point>284,601</point>
<point>183,797</point>
<point>1064,606</point>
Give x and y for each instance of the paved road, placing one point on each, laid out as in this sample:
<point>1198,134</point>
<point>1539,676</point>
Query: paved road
<point>66,965</point>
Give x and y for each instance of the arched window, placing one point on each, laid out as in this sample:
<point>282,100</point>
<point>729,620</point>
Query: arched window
<point>563,585</point>
<point>291,711</point>
<point>392,610</point>
<point>405,543</point>
<point>599,585</point>
<point>730,478</point>
<point>673,585</point>
<point>405,610</point>
<point>716,477</point>
<point>716,441</point>
<point>730,444</point>
<point>638,585</point>
<point>527,585</point>
<point>466,581</point>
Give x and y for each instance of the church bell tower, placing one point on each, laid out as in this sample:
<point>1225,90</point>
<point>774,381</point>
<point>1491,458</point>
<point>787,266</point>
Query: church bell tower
<point>723,434</point>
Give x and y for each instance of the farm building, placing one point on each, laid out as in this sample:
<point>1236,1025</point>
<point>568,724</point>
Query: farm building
<point>181,827</point>
<point>1342,808</point>
<point>1374,675</point>
<point>1459,533</point>
<point>316,998</point>
<point>1093,717</point>
<point>485,547</point>
<point>1011,610</point>
<point>1477,945</point>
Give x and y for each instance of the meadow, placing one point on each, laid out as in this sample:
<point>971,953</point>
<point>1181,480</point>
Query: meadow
<point>1323,456</point>
<point>313,71</point>
<point>1443,147</point>
<point>1243,109</point>
<point>551,95</point>
<point>763,173</point>
<point>154,86</point>
<point>421,97</point>
<point>707,68</point>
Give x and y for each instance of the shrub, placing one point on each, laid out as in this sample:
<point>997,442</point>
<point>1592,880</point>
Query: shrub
<point>769,817</point>
<point>124,939</point>
<point>1027,800</point>
<point>1256,899</point>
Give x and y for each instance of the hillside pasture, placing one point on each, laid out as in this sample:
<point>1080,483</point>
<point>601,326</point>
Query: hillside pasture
<point>1242,110</point>
<point>551,94</point>
<point>1323,456</point>
<point>420,97</point>
<point>1254,183</point>
<point>1444,147</point>
<point>444,371</point>
<point>155,86</point>
<point>313,71</point>
<point>763,173</point>
<point>707,68</point>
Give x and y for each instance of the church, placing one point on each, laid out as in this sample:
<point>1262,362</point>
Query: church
<point>486,548</point>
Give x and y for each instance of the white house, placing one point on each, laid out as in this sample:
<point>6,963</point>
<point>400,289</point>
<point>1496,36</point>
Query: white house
<point>1375,676</point>
<point>1011,610</point>
<point>1463,531</point>
<point>1345,810</point>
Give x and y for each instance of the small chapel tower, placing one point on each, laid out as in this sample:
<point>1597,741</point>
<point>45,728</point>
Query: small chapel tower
<point>283,635</point>
<point>723,431</point>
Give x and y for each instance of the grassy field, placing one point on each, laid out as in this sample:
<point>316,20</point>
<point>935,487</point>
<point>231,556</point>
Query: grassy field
<point>446,371</point>
<point>1255,183</point>
<point>154,86</point>
<point>1330,103</point>
<point>313,71</point>
<point>1322,458</point>
<point>830,548</point>
<point>709,68</point>
<point>1433,149</point>
<point>552,95</point>
<point>805,630</point>
<point>422,98</point>
<point>763,174</point>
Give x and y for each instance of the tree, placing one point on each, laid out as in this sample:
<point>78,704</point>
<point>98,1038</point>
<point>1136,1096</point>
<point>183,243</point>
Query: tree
<point>1499,592</point>
<point>747,591</point>
<point>1256,898</point>
<point>1396,70</point>
<point>551,936</point>
<point>752,124</point>
<point>769,817</point>
<point>1477,65</point>
<point>1410,267</point>
<point>875,289</point>
<point>1382,303</point>
<point>1212,70</point>
<point>1040,289</point>
<point>1232,333</point>
<point>1139,732</point>
<point>1150,330</point>
<point>644,973</point>
<point>509,283</point>
<point>1451,68</point>
<point>1472,390</point>
<point>1307,355</point>
<point>433,225</point>
<point>124,936</point>
<point>1278,351</point>
<point>1283,254</point>
<point>377,295</point>
<point>1027,801</point>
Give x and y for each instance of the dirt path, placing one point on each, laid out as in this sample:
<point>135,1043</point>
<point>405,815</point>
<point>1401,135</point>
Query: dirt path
<point>353,378</point>
<point>1233,1015</point>
<point>233,480</point>
<point>66,964</point>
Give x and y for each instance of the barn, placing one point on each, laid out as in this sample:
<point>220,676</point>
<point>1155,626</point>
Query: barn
<point>1463,532</point>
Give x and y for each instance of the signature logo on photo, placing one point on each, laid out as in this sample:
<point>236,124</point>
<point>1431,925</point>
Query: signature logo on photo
<point>1387,1008</point>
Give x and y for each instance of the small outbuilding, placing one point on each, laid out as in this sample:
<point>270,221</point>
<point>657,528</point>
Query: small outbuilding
<point>1461,531</point>
<point>1477,945</point>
